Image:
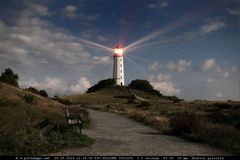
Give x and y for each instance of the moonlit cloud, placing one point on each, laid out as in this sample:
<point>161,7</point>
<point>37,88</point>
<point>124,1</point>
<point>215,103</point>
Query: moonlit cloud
<point>234,11</point>
<point>55,85</point>
<point>154,66</point>
<point>219,94</point>
<point>211,64</point>
<point>181,66</point>
<point>102,60</point>
<point>70,11</point>
<point>82,85</point>
<point>210,80</point>
<point>163,83</point>
<point>159,4</point>
<point>212,26</point>
<point>52,85</point>
<point>33,9</point>
<point>208,64</point>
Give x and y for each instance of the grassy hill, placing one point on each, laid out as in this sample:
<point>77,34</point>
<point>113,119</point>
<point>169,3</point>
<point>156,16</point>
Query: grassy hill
<point>33,125</point>
<point>212,122</point>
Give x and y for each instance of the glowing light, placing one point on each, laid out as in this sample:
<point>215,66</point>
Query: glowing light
<point>118,51</point>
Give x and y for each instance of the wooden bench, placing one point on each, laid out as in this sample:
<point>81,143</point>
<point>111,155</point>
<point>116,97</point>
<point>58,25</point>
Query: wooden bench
<point>74,120</point>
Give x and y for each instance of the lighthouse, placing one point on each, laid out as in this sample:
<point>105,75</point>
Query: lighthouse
<point>118,65</point>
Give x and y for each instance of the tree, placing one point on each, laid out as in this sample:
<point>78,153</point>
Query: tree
<point>9,77</point>
<point>145,86</point>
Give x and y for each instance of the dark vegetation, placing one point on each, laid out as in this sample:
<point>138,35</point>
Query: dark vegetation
<point>145,86</point>
<point>35,91</point>
<point>9,77</point>
<point>173,99</point>
<point>101,84</point>
<point>199,129</point>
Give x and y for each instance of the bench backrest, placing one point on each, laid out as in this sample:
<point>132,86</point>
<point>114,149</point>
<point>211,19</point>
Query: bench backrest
<point>74,120</point>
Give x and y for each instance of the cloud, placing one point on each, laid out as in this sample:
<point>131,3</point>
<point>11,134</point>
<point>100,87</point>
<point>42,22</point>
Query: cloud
<point>92,17</point>
<point>181,66</point>
<point>101,38</point>
<point>213,25</point>
<point>52,85</point>
<point>35,9</point>
<point>208,64</point>
<point>55,85</point>
<point>164,84</point>
<point>154,66</point>
<point>234,69</point>
<point>70,11</point>
<point>234,11</point>
<point>211,64</point>
<point>82,85</point>
<point>219,94</point>
<point>210,80</point>
<point>32,42</point>
<point>160,4</point>
<point>123,22</point>
<point>102,60</point>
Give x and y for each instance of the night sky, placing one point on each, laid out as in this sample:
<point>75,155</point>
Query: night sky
<point>187,48</point>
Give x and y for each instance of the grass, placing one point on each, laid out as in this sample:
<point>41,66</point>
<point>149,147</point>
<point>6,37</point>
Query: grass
<point>215,123</point>
<point>34,125</point>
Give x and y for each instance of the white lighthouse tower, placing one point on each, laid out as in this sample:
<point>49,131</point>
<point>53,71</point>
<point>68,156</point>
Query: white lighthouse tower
<point>118,65</point>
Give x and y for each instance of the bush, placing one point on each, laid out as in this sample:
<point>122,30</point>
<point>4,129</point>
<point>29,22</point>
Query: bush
<point>43,93</point>
<point>101,84</point>
<point>232,119</point>
<point>145,86</point>
<point>143,104</point>
<point>9,77</point>
<point>173,99</point>
<point>183,123</point>
<point>198,129</point>
<point>35,91</point>
<point>28,98</point>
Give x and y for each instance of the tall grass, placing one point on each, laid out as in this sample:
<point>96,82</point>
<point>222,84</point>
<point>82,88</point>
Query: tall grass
<point>20,134</point>
<point>199,129</point>
<point>33,125</point>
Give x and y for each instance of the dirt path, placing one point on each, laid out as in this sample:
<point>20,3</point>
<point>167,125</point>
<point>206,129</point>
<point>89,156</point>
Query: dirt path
<point>117,135</point>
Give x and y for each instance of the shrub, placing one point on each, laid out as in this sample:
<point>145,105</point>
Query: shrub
<point>183,123</point>
<point>28,98</point>
<point>230,119</point>
<point>101,84</point>
<point>143,104</point>
<point>9,77</point>
<point>173,99</point>
<point>198,129</point>
<point>63,101</point>
<point>145,86</point>
<point>43,93</point>
<point>35,91</point>
<point>220,136</point>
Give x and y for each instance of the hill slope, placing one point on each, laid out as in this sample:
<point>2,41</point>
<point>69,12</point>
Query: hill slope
<point>31,124</point>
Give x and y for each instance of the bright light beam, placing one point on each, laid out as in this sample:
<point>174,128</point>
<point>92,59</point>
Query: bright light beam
<point>139,67</point>
<point>176,24</point>
<point>139,58</point>
<point>97,45</point>
<point>147,45</point>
